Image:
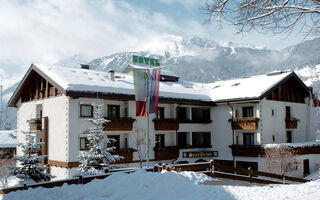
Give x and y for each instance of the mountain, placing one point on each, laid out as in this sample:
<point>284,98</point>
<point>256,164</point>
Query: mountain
<point>203,60</point>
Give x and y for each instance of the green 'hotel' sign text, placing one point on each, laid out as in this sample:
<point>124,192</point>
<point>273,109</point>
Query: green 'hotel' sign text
<point>145,60</point>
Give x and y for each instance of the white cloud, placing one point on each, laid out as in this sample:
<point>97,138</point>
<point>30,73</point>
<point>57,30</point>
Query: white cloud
<point>48,31</point>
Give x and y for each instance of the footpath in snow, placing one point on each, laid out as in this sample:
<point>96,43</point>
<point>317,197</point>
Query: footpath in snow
<point>166,186</point>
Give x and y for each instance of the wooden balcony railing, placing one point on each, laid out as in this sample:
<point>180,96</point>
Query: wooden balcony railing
<point>166,153</point>
<point>244,123</point>
<point>248,151</point>
<point>291,123</point>
<point>119,124</point>
<point>166,124</point>
<point>127,155</point>
<point>35,124</point>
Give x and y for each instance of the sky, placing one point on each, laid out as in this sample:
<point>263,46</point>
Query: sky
<point>49,31</point>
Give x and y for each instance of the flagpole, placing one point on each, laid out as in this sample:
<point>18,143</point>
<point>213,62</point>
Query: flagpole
<point>148,96</point>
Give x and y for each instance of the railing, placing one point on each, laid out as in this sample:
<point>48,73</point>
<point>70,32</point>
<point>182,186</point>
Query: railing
<point>248,151</point>
<point>166,153</point>
<point>207,168</point>
<point>35,124</point>
<point>166,124</point>
<point>119,124</point>
<point>291,123</point>
<point>244,123</point>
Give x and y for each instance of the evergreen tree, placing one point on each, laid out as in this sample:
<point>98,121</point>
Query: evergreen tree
<point>98,156</point>
<point>30,170</point>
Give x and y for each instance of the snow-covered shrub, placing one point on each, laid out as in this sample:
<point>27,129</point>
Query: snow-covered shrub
<point>98,157</point>
<point>31,170</point>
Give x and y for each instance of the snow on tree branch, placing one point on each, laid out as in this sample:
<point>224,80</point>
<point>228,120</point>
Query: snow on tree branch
<point>276,16</point>
<point>31,169</point>
<point>98,156</point>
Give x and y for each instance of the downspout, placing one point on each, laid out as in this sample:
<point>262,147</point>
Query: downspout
<point>233,157</point>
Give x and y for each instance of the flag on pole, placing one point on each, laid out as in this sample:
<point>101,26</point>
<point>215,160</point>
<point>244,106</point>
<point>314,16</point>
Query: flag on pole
<point>140,88</point>
<point>154,90</point>
<point>146,84</point>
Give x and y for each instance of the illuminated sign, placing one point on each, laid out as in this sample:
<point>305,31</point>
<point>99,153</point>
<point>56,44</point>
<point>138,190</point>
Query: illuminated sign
<point>145,60</point>
<point>200,154</point>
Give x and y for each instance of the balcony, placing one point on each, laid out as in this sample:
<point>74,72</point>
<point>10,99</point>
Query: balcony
<point>291,123</point>
<point>119,124</point>
<point>248,151</point>
<point>35,124</point>
<point>166,153</point>
<point>166,124</point>
<point>127,155</point>
<point>244,123</point>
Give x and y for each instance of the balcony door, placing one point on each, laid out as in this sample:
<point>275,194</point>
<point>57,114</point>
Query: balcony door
<point>113,111</point>
<point>247,111</point>
<point>248,139</point>
<point>182,139</point>
<point>160,140</point>
<point>182,113</point>
<point>115,141</point>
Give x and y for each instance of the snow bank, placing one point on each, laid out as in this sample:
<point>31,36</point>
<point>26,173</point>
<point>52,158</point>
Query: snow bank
<point>167,185</point>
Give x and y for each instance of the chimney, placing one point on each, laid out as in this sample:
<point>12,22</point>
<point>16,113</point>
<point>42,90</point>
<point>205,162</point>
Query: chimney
<point>111,75</point>
<point>85,66</point>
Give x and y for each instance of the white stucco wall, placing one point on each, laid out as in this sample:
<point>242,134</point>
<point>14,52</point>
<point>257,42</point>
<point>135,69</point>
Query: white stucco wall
<point>275,125</point>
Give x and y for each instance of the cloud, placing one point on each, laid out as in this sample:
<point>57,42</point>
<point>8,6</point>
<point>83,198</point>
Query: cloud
<point>47,31</point>
<point>53,30</point>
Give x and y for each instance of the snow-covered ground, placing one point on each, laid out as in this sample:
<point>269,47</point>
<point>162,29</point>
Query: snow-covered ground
<point>167,185</point>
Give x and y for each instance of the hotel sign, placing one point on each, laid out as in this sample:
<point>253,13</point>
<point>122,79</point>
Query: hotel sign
<point>200,154</point>
<point>145,60</point>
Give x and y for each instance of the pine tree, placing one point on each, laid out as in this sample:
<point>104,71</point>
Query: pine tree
<point>30,170</point>
<point>98,157</point>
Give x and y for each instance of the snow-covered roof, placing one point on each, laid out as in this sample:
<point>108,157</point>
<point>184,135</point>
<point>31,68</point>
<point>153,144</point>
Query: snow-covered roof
<point>244,88</point>
<point>78,80</point>
<point>6,141</point>
<point>83,80</point>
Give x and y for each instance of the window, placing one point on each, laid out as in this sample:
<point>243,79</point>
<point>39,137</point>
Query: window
<point>273,138</point>
<point>160,113</point>
<point>182,139</point>
<point>113,111</point>
<point>114,141</point>
<point>272,112</point>
<point>247,111</point>
<point>289,136</point>
<point>248,139</point>
<point>288,112</point>
<point>200,139</point>
<point>160,140</point>
<point>182,113</point>
<point>86,110</point>
<point>84,142</point>
<point>237,140</point>
<point>200,114</point>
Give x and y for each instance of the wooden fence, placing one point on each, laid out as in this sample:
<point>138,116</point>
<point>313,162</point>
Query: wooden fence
<point>207,168</point>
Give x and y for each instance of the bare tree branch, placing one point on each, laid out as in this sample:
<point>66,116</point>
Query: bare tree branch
<point>277,16</point>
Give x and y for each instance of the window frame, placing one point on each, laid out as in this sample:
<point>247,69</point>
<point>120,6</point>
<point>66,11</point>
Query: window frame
<point>160,113</point>
<point>86,116</point>
<point>245,111</point>
<point>109,106</point>
<point>251,136</point>
<point>86,142</point>
<point>158,143</point>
